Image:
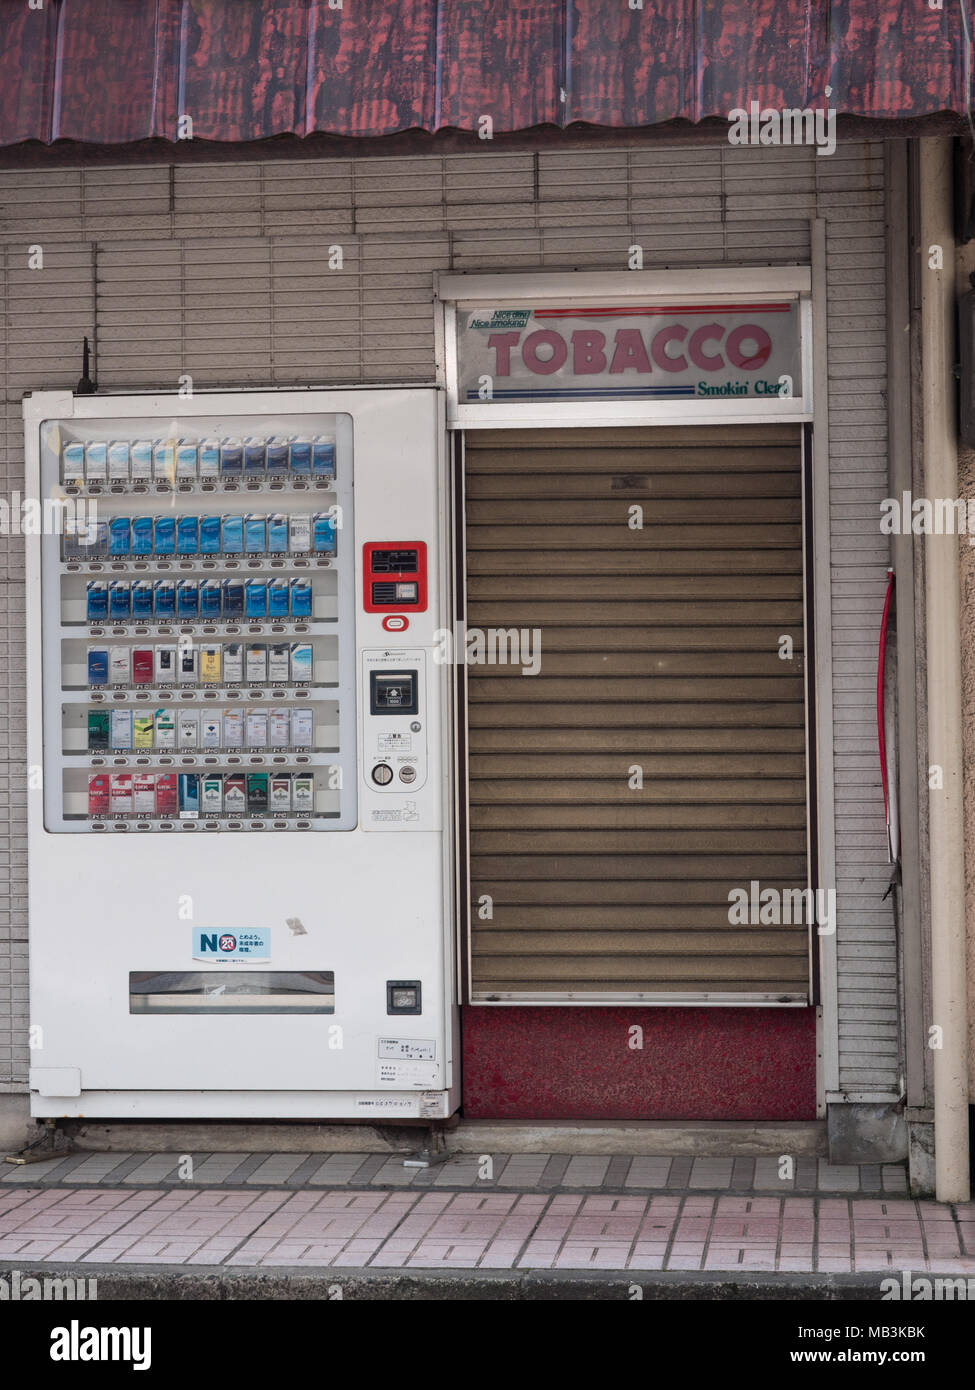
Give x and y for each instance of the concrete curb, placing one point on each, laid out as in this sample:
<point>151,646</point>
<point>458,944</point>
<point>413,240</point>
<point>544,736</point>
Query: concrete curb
<point>208,1283</point>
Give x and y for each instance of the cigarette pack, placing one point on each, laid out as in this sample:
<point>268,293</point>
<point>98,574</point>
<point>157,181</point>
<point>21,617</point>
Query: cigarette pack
<point>140,461</point>
<point>301,598</point>
<point>211,799</point>
<point>144,793</point>
<point>280,795</point>
<point>232,535</point>
<point>143,666</point>
<point>165,665</point>
<point>164,535</point>
<point>187,665</point>
<point>233,728</point>
<point>231,458</point>
<point>120,793</point>
<point>96,462</point>
<point>96,592</point>
<point>165,730</point>
<point>118,461</point>
<point>278,598</point>
<point>233,598</point>
<point>300,451</point>
<point>187,462</point>
<point>257,728</point>
<point>277,534</point>
<point>120,735</point>
<point>209,535</point>
<point>187,535</point>
<point>189,794</point>
<point>188,599</point>
<point>278,728</point>
<point>323,457</point>
<point>164,461</point>
<point>256,792</point>
<point>189,729</point>
<point>119,601</point>
<point>164,599</point>
<point>142,599</point>
<point>233,664</point>
<point>302,794</point>
<point>119,536</point>
<point>209,460</point>
<point>141,535</point>
<point>255,535</point>
<point>299,533</point>
<point>302,728</point>
<point>256,663</point>
<point>210,665</point>
<point>323,534</point>
<point>211,598</point>
<point>166,794</point>
<point>120,665</point>
<point>98,730</point>
<point>234,794</point>
<point>255,598</point>
<point>73,463</point>
<point>143,730</point>
<point>97,666</point>
<point>211,728</point>
<point>279,663</point>
<point>98,794</point>
<point>301,663</point>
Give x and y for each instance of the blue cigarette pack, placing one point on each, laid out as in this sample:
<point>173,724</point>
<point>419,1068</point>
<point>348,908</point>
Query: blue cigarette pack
<point>119,600</point>
<point>277,534</point>
<point>255,535</point>
<point>209,535</point>
<point>187,535</point>
<point>97,666</point>
<point>255,598</point>
<point>323,534</point>
<point>277,598</point>
<point>142,598</point>
<point>277,456</point>
<point>187,599</point>
<point>323,457</point>
<point>164,598</point>
<point>232,535</point>
<point>164,535</point>
<point>142,535</point>
<point>97,598</point>
<point>211,601</point>
<point>231,458</point>
<point>233,598</point>
<point>301,598</point>
<point>255,458</point>
<point>119,536</point>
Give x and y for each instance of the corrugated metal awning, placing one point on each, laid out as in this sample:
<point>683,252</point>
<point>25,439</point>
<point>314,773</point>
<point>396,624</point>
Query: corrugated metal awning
<point>118,71</point>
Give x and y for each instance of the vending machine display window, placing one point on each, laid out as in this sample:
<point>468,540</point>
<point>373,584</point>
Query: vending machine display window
<point>198,620</point>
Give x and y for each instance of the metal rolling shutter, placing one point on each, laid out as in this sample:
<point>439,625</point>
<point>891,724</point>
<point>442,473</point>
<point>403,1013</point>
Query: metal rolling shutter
<point>659,648</point>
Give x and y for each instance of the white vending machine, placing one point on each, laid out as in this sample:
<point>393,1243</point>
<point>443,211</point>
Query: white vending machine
<point>239,755</point>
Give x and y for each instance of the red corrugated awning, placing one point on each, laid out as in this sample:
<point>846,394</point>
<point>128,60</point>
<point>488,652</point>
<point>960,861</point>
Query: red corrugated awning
<point>116,71</point>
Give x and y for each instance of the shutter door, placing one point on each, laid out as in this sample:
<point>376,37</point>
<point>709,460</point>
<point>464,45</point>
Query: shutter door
<point>660,651</point>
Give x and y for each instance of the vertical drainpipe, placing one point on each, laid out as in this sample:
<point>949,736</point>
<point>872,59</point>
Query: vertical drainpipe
<point>943,650</point>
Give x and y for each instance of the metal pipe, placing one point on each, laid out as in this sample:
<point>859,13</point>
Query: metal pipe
<point>943,652</point>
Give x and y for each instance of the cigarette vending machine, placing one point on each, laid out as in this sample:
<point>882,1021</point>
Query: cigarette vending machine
<point>239,821</point>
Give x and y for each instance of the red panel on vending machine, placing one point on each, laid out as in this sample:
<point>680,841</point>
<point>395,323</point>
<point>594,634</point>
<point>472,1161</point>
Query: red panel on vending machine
<point>394,576</point>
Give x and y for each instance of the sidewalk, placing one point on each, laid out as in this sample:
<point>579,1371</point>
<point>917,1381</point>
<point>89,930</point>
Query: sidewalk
<point>827,1232</point>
